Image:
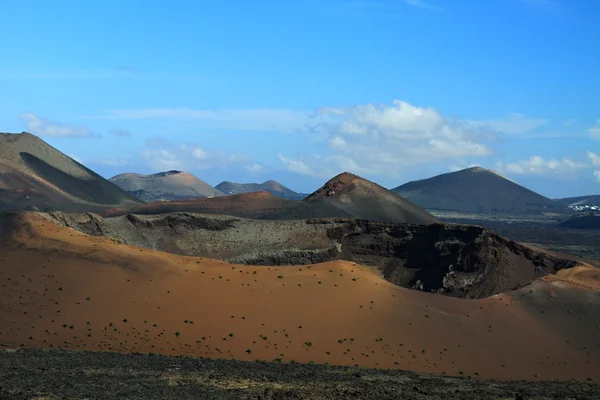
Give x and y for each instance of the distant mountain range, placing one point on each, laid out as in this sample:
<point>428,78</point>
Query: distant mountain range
<point>170,185</point>
<point>275,188</point>
<point>344,196</point>
<point>474,190</point>
<point>36,176</point>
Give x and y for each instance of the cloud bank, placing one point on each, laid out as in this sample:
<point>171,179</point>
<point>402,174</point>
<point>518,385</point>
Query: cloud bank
<point>388,139</point>
<point>45,127</point>
<point>162,156</point>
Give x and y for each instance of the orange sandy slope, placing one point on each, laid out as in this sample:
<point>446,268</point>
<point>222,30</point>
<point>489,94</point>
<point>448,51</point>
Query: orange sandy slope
<point>61,288</point>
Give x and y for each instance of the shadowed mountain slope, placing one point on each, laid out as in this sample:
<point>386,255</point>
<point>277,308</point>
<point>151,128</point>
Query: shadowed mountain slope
<point>473,190</point>
<point>169,185</point>
<point>34,175</point>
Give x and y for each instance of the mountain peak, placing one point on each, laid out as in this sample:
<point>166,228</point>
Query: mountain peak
<point>340,183</point>
<point>477,169</point>
<point>167,173</point>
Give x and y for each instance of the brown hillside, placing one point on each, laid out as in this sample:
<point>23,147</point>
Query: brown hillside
<point>169,185</point>
<point>64,289</point>
<point>34,175</point>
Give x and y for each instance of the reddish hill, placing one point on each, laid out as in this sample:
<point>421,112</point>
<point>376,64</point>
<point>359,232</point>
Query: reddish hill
<point>363,199</point>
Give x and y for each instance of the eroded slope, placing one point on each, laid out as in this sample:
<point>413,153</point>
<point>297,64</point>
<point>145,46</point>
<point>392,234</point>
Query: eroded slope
<point>456,260</point>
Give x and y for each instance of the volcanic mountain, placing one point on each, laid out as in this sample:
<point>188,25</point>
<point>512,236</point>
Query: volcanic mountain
<point>273,187</point>
<point>344,196</point>
<point>473,190</point>
<point>36,176</point>
<point>169,185</point>
<point>363,199</point>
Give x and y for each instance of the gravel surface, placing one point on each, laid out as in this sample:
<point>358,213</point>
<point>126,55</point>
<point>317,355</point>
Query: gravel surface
<point>60,374</point>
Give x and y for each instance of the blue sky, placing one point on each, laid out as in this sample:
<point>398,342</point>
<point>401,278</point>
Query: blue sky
<point>300,90</point>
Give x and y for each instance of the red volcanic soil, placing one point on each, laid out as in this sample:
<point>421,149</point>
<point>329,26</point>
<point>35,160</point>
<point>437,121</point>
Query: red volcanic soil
<point>61,288</point>
<point>341,182</point>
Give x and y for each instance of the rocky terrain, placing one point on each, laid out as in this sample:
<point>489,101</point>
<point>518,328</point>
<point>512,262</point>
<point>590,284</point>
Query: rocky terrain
<point>58,374</point>
<point>456,260</point>
<point>474,190</point>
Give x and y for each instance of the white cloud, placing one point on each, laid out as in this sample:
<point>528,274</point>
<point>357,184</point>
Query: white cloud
<point>569,122</point>
<point>366,139</point>
<point>162,156</point>
<point>45,127</point>
<point>199,153</point>
<point>514,123</point>
<point>298,166</point>
<point>385,140</point>
<point>595,131</point>
<point>537,165</point>
<point>253,168</point>
<point>597,175</point>
<point>594,158</point>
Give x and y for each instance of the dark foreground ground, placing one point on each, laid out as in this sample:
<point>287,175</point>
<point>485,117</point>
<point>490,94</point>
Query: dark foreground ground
<point>60,374</point>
